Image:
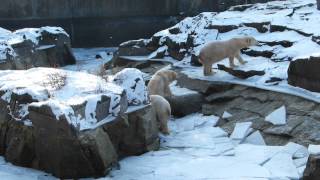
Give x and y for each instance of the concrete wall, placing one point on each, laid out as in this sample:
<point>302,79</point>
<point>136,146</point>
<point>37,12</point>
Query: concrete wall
<point>104,22</point>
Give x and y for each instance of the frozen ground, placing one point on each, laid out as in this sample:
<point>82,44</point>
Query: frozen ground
<point>90,60</point>
<point>197,150</point>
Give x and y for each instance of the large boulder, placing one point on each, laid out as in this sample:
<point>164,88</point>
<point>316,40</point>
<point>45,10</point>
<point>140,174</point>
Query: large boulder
<point>68,123</point>
<point>35,47</point>
<point>304,73</point>
<point>134,133</point>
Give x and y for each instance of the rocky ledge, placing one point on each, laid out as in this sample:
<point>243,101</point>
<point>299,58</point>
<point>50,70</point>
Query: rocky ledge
<point>73,124</point>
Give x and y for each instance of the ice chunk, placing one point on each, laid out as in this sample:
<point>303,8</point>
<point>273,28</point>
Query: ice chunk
<point>241,130</point>
<point>282,165</point>
<point>226,115</point>
<point>255,138</point>
<point>278,117</point>
<point>314,149</point>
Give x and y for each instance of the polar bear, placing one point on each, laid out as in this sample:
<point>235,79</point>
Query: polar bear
<point>163,112</point>
<point>218,50</point>
<point>159,83</point>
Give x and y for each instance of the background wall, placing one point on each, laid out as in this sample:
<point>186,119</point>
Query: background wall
<point>105,22</point>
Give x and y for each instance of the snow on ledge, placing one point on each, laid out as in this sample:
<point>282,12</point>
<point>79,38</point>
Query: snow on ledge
<point>60,90</point>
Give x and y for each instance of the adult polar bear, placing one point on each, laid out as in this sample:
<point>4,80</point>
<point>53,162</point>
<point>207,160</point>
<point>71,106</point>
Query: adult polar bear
<point>219,50</point>
<point>159,90</point>
<point>160,81</point>
<point>163,112</point>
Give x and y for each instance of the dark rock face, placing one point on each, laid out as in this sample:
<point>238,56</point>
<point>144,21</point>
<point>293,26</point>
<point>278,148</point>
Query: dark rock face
<point>312,171</point>
<point>304,73</point>
<point>186,104</point>
<point>134,133</point>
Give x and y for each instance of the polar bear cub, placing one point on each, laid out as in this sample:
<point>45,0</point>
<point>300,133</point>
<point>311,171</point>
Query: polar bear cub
<point>163,112</point>
<point>160,81</point>
<point>218,50</point>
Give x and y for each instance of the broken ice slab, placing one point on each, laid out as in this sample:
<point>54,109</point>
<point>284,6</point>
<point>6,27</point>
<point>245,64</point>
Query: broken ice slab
<point>241,130</point>
<point>278,117</point>
<point>314,149</point>
<point>226,115</point>
<point>255,138</point>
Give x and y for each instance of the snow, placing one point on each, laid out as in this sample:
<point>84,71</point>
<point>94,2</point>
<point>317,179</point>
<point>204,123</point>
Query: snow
<point>60,89</point>
<point>314,149</point>
<point>193,152</point>
<point>11,172</point>
<point>86,60</point>
<point>278,117</point>
<point>282,165</point>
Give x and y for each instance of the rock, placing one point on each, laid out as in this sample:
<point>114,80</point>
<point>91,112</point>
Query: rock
<point>38,47</point>
<point>19,144</point>
<point>239,73</point>
<point>285,130</point>
<point>278,117</point>
<point>134,133</point>
<point>256,53</point>
<point>283,43</point>
<point>312,171</point>
<point>133,82</point>
<point>134,48</point>
<point>303,73</point>
<point>73,138</point>
<point>222,28</point>
<point>99,150</point>
<point>195,60</point>
<point>262,27</point>
<point>186,104</point>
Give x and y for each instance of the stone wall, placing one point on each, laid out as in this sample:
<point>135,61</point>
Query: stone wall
<point>105,22</point>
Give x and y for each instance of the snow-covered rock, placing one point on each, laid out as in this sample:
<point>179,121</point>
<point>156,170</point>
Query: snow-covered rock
<point>132,81</point>
<point>66,118</point>
<point>35,47</point>
<point>278,117</point>
<point>314,149</point>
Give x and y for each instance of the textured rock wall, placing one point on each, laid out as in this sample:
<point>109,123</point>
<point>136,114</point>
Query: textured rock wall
<point>105,22</point>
